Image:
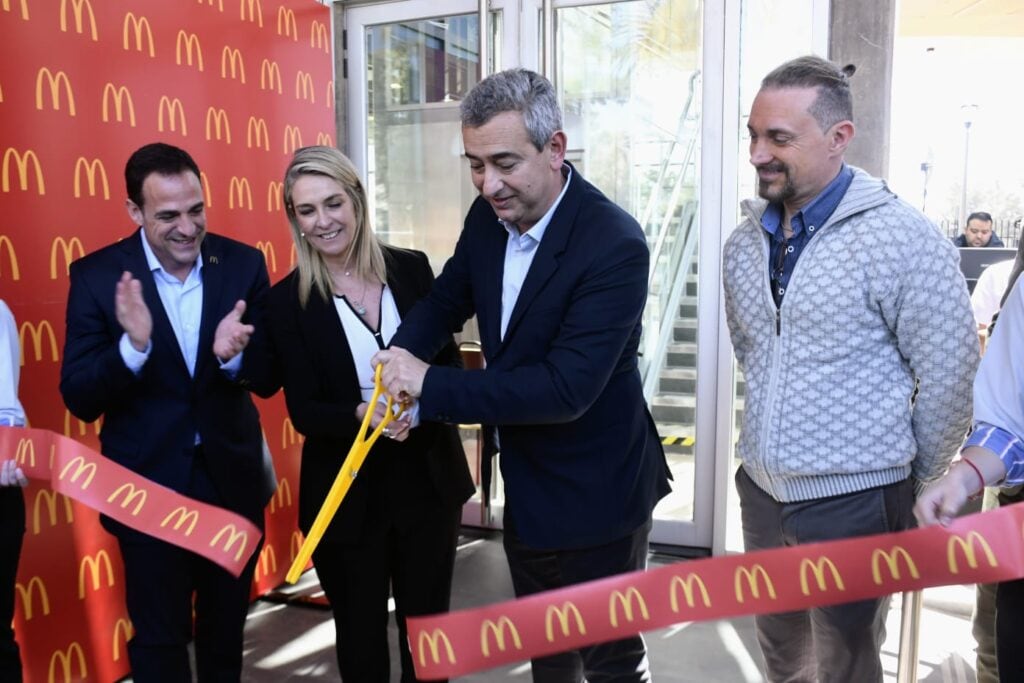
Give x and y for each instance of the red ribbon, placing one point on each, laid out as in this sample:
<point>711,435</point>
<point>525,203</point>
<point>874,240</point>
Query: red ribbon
<point>84,475</point>
<point>979,548</point>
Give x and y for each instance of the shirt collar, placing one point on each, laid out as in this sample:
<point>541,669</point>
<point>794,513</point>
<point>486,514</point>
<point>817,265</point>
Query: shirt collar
<point>815,213</point>
<point>536,233</point>
<point>154,263</point>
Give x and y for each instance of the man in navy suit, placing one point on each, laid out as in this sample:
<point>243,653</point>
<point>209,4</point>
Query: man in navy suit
<point>165,342</point>
<point>557,276</point>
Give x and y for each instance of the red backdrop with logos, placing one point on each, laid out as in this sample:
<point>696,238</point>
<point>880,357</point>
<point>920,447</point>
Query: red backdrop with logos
<point>83,83</point>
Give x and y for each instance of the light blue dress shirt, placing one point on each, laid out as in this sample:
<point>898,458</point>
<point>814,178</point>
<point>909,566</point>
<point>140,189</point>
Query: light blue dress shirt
<point>11,412</point>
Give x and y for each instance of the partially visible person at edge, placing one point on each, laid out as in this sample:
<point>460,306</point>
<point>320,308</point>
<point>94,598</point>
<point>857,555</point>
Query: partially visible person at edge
<point>12,502</point>
<point>399,523</point>
<point>165,340</point>
<point>978,232</point>
<point>858,355</point>
<point>557,276</point>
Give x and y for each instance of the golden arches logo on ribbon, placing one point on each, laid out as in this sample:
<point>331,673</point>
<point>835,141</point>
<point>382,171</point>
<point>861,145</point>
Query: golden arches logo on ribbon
<point>275,190</point>
<point>255,11</point>
<point>818,569</point>
<point>286,23</point>
<point>190,43</point>
<point>94,563</point>
<point>80,466</point>
<point>67,658</point>
<point>256,133</point>
<point>233,534</point>
<point>78,6</point>
<point>6,6</point>
<point>892,559</point>
<point>267,564</point>
<point>12,257</point>
<point>49,499</point>
<point>304,86</point>
<point>753,576</point>
<point>26,452</point>
<point>123,632</point>
<point>240,192</point>
<point>175,112</point>
<point>266,248</point>
<point>36,333</point>
<point>625,601</point>
<point>434,639</point>
<point>21,161</point>
<point>93,169</point>
<point>72,248</point>
<point>56,81</point>
<point>132,494</point>
<point>282,497</point>
<point>35,586</point>
<point>184,515</point>
<point>687,586</point>
<point>497,629</point>
<point>217,120</point>
<point>292,138</point>
<point>562,614</point>
<point>967,546</point>
<point>232,56</point>
<point>318,35</point>
<point>139,27</point>
<point>119,95</point>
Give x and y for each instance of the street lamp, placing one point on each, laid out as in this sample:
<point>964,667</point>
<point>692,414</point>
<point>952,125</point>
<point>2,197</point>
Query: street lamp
<point>967,111</point>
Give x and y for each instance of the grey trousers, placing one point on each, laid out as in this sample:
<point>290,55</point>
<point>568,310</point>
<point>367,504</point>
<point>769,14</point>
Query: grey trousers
<point>840,642</point>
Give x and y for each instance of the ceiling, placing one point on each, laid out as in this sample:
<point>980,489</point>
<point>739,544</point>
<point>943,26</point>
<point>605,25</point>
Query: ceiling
<point>961,18</point>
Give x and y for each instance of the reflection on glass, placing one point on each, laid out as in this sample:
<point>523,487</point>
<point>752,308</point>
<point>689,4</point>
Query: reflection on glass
<point>628,76</point>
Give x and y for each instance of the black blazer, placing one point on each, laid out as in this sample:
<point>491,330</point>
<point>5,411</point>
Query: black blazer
<point>150,421</point>
<point>322,392</point>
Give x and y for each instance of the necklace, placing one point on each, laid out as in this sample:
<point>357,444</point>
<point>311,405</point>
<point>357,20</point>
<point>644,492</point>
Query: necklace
<point>358,306</point>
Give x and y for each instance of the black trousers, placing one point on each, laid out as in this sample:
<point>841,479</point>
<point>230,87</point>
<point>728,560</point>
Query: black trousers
<point>535,570</point>
<point>12,531</point>
<point>1010,630</point>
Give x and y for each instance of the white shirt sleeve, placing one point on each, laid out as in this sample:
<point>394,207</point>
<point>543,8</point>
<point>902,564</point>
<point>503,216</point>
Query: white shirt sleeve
<point>11,412</point>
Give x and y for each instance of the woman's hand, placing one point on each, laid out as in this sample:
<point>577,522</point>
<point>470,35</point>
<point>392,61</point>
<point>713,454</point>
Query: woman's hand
<point>397,429</point>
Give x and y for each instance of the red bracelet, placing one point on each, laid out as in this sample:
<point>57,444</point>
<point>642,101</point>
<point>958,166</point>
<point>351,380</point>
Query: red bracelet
<point>977,471</point>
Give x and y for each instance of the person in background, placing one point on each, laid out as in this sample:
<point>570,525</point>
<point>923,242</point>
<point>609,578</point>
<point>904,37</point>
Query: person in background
<point>398,526</point>
<point>851,394</point>
<point>12,503</point>
<point>978,232</point>
<point>165,341</point>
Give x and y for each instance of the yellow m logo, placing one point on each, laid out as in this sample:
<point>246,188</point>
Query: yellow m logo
<point>967,546</point>
<point>92,169</point>
<point>119,96</point>
<point>131,495</point>
<point>562,614</point>
<point>173,109</point>
<point>184,515</point>
<point>232,57</point>
<point>78,6</point>
<point>497,630</point>
<point>138,26</point>
<point>233,534</point>
<point>218,120</point>
<point>282,497</point>
<point>50,498</point>
<point>687,585</point>
<point>190,42</point>
<point>270,74</point>
<point>35,586</point>
<point>818,569</point>
<point>256,133</point>
<point>12,257</point>
<point>122,633</point>
<point>267,563</point>
<point>72,248</point>
<point>240,193</point>
<point>101,560</point>
<point>255,10</point>
<point>618,599</point>
<point>434,640</point>
<point>275,190</point>
<point>292,138</point>
<point>892,560</point>
<point>753,577</point>
<point>318,35</point>
<point>21,162</point>
<point>80,465</point>
<point>26,452</point>
<point>304,86</point>
<point>66,658</point>
<point>36,332</point>
<point>286,23</point>
<point>55,81</point>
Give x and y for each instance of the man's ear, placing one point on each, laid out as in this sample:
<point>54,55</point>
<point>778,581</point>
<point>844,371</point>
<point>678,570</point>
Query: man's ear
<point>841,136</point>
<point>557,145</point>
<point>134,211</point>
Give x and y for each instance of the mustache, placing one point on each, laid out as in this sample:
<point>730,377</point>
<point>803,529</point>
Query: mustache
<point>773,167</point>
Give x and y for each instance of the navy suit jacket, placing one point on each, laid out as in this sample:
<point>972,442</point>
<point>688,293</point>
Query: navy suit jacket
<point>580,454</point>
<point>150,421</point>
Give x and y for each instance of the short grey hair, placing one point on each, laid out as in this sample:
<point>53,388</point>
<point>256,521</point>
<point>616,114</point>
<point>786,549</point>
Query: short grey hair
<point>519,90</point>
<point>834,102</point>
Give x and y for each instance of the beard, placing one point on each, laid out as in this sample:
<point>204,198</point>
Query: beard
<point>776,194</point>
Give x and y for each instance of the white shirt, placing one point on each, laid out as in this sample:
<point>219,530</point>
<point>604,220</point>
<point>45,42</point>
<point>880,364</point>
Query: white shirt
<point>11,412</point>
<point>988,291</point>
<point>519,253</point>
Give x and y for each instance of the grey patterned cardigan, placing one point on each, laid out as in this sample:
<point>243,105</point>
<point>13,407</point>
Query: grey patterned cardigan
<point>875,305</point>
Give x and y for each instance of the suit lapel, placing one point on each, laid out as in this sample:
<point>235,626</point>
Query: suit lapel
<point>213,278</point>
<point>493,259</point>
<point>402,284</point>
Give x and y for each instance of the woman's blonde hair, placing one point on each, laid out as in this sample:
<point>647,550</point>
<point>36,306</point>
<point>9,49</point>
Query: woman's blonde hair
<point>364,257</point>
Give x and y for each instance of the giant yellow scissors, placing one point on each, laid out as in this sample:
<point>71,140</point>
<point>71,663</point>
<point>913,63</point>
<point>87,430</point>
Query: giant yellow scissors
<point>349,469</point>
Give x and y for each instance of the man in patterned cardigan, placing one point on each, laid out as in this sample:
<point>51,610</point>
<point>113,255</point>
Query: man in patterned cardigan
<point>853,328</point>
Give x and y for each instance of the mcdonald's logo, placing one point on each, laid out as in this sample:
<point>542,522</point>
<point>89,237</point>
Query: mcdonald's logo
<point>184,516</point>
<point>270,74</point>
<point>206,189</point>
<point>21,161</point>
<point>434,640</point>
<point>497,629</point>
<point>122,632</point>
<point>55,81</point>
<point>138,25</point>
<point>275,190</point>
<point>190,42</point>
<point>292,138</point>
<point>26,452</point>
<point>131,494</point>
<point>329,95</point>
<point>256,133</point>
<point>66,661</point>
<point>12,257</point>
<point>286,23</point>
<point>267,564</point>
<point>119,95</point>
<point>255,10</point>
<point>94,563</point>
<point>73,246</point>
<point>892,559</point>
<point>295,545</point>
<point>618,599</point>
<point>171,107</point>
<point>35,587</point>
<point>687,585</point>
<point>288,434</point>
<point>50,499</point>
<point>6,6</point>
<point>562,613</point>
<point>324,139</point>
<point>77,6</point>
<point>269,254</point>
<point>240,190</point>
<point>219,120</point>
<point>233,534</point>
<point>304,86</point>
<point>82,425</point>
<point>80,465</point>
<point>752,576</point>
<point>957,541</point>
<point>818,569</point>
<point>233,57</point>
<point>282,497</point>
<point>92,169</point>
<point>36,332</point>
<point>318,35</point>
